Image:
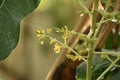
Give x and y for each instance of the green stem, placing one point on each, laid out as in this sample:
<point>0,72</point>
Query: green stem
<point>83,5</point>
<point>109,59</point>
<point>102,75</point>
<point>109,53</point>
<point>89,62</point>
<point>82,36</point>
<point>90,44</point>
<point>100,24</point>
<point>117,66</point>
<point>98,28</point>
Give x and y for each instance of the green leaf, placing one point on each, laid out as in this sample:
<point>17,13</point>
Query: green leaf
<point>99,69</point>
<point>11,13</point>
<point>81,71</point>
<point>116,76</point>
<point>99,66</point>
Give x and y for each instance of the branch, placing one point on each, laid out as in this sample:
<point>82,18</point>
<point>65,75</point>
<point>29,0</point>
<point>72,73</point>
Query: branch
<point>71,42</point>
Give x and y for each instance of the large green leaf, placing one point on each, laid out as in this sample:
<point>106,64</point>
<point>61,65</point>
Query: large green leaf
<point>81,69</point>
<point>11,13</point>
<point>99,69</point>
<point>116,76</point>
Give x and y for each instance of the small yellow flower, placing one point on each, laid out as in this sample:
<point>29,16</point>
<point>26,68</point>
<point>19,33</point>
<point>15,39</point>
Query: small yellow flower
<point>57,48</point>
<point>74,58</point>
<point>41,35</point>
<point>40,32</point>
<point>68,56</point>
<point>65,35</point>
<point>52,41</point>
<point>79,58</point>
<point>49,30</point>
<point>103,56</point>
<point>41,42</point>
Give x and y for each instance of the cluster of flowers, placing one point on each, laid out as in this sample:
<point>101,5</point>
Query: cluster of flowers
<point>45,35</point>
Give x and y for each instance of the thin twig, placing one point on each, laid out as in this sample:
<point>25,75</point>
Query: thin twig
<point>100,77</point>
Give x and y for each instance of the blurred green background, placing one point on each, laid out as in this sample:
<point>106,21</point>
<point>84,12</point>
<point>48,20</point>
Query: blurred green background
<point>29,60</point>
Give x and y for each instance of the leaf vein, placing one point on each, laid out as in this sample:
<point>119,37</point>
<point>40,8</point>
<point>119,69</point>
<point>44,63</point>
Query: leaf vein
<point>3,2</point>
<point>4,35</point>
